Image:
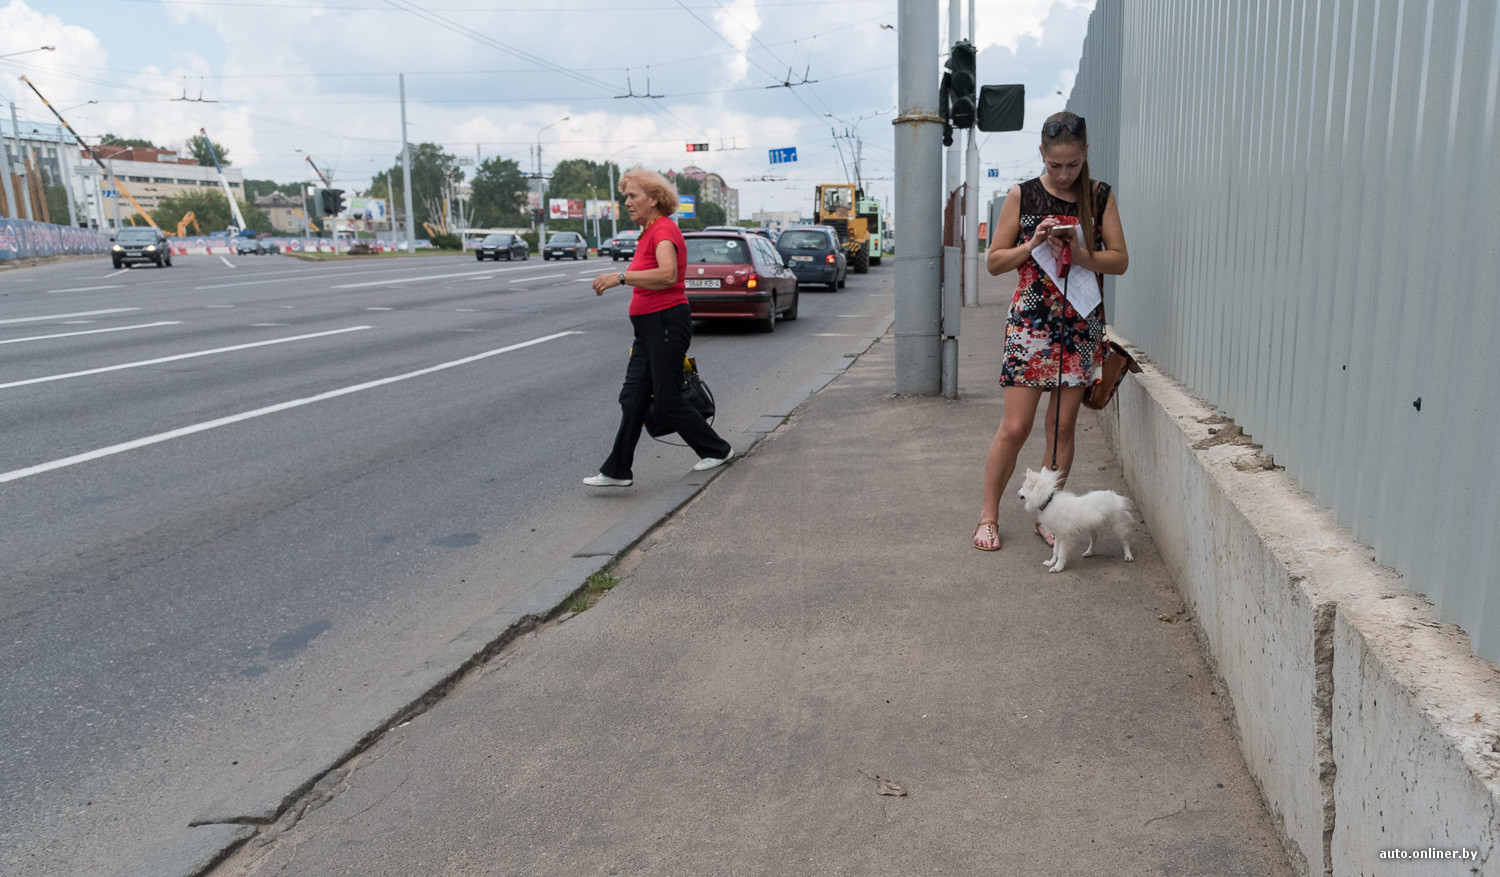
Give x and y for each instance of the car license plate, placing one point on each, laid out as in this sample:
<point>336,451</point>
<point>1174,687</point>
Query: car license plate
<point>703,284</point>
<point>795,259</point>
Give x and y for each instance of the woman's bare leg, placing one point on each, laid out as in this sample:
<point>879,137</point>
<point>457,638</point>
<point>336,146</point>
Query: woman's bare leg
<point>1072,400</point>
<point>1015,426</point>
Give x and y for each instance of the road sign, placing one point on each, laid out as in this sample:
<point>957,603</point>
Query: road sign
<point>783,155</point>
<point>994,172</point>
<point>687,206</point>
<point>109,193</point>
<point>697,147</point>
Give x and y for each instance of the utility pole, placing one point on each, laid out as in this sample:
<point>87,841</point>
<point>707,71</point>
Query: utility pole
<point>63,171</point>
<point>971,204</point>
<point>15,128</point>
<point>13,207</point>
<point>919,208</point>
<point>114,186</point>
<point>954,164</point>
<point>411,237</point>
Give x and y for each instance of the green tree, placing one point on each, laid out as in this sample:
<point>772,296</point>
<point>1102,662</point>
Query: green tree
<point>710,213</point>
<point>210,209</point>
<point>586,180</point>
<point>259,188</point>
<point>57,204</point>
<point>198,146</point>
<point>112,140</point>
<point>431,170</point>
<point>499,194</point>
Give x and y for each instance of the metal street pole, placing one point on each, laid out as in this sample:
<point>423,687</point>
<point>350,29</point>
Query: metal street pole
<point>15,128</point>
<point>919,205</point>
<point>971,203</point>
<point>114,187</point>
<point>955,155</point>
<point>63,171</point>
<point>12,206</point>
<point>541,240</point>
<point>411,236</point>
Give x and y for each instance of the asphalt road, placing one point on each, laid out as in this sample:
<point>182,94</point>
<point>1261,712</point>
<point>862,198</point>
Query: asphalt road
<point>239,495</point>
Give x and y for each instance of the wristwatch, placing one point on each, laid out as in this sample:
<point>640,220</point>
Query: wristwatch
<point>622,278</point>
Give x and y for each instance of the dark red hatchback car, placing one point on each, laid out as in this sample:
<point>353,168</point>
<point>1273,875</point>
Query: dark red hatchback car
<point>734,275</point>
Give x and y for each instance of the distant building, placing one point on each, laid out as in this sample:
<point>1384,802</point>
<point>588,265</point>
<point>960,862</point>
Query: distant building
<point>151,174</point>
<point>284,211</point>
<point>714,189</point>
<point>776,220</point>
<point>147,173</point>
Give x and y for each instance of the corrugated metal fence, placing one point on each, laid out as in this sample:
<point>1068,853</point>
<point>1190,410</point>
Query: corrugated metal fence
<point>1309,193</point>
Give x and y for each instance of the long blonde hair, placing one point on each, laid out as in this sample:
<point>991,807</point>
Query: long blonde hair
<point>1083,185</point>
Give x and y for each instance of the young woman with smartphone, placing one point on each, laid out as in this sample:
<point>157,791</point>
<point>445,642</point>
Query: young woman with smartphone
<point>1050,349</point>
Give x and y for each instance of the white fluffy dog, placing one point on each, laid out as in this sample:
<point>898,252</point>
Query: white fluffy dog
<point>1071,517</point>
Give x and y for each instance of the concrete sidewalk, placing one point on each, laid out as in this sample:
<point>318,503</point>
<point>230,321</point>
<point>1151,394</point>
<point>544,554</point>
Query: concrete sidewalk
<point>808,670</point>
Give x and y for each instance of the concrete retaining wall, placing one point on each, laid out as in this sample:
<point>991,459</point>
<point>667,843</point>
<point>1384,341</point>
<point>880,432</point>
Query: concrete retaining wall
<point>1370,726</point>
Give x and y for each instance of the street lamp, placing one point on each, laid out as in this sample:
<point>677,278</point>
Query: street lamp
<point>29,51</point>
<point>540,184</point>
<point>614,219</point>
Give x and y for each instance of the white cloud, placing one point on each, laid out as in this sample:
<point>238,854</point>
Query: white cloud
<point>320,76</point>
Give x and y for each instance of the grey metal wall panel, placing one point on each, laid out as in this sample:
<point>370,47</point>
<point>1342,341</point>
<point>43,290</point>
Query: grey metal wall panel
<point>1308,189</point>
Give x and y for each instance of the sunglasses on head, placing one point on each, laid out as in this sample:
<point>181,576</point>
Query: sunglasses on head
<point>1074,126</point>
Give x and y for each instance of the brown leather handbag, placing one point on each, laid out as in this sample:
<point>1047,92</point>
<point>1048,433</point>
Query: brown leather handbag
<point>1117,361</point>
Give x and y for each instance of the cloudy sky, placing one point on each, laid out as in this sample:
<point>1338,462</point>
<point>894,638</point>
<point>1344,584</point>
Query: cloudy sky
<point>483,77</point>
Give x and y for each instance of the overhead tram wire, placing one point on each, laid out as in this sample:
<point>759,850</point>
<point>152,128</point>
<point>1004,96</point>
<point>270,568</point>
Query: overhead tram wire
<point>454,27</point>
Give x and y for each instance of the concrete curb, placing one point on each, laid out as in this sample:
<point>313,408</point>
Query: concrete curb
<point>228,823</point>
<point>1368,724</point>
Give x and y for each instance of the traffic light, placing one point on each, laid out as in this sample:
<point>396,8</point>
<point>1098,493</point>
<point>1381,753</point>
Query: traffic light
<point>538,214</point>
<point>962,84</point>
<point>697,147</point>
<point>331,201</point>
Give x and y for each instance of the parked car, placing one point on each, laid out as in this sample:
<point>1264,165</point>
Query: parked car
<point>566,243</point>
<point>267,247</point>
<point>621,246</point>
<point>140,244</point>
<point>814,255</point>
<point>734,275</point>
<point>503,245</point>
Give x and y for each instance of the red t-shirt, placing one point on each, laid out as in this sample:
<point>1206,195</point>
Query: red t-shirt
<point>649,301</point>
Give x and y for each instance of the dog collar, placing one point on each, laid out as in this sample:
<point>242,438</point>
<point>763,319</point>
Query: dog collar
<point>1046,502</point>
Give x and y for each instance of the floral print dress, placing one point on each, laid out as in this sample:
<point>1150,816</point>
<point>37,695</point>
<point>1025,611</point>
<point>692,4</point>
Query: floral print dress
<point>1043,325</point>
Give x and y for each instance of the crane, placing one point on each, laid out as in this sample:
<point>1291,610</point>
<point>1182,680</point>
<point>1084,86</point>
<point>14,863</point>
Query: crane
<point>90,153</point>
<point>234,206</point>
<point>182,225</point>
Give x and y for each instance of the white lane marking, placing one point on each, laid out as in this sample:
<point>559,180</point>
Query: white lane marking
<point>485,277</point>
<point>17,474</point>
<point>338,273</point>
<point>854,315</point>
<point>538,277</point>
<point>65,316</point>
<point>91,332</point>
<point>226,261</point>
<point>583,280</point>
<point>113,274</point>
<point>78,322</point>
<point>85,288</point>
<point>261,325</point>
<point>220,307</point>
<point>834,335</point>
<point>197,353</point>
<point>464,310</point>
<point>380,309</point>
<point>395,281</point>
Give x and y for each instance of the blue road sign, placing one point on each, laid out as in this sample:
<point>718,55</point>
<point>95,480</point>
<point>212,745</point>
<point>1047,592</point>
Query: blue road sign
<point>994,172</point>
<point>783,155</point>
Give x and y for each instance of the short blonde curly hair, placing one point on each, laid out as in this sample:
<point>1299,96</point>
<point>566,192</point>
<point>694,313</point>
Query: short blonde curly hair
<point>655,186</point>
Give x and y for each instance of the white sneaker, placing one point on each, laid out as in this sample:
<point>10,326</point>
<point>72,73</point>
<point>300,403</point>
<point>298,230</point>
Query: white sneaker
<point>712,462</point>
<point>602,480</point>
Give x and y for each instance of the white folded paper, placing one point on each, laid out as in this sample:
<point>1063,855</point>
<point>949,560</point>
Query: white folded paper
<point>1082,286</point>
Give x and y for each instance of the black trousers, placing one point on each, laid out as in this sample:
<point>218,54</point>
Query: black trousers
<point>653,379</point>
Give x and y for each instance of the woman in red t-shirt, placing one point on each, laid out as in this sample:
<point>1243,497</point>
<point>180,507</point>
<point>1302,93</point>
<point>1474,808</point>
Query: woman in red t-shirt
<point>663,332</point>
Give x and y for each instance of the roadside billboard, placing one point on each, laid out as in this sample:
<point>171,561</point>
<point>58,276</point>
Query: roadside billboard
<point>687,206</point>
<point>600,209</point>
<point>565,208</point>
